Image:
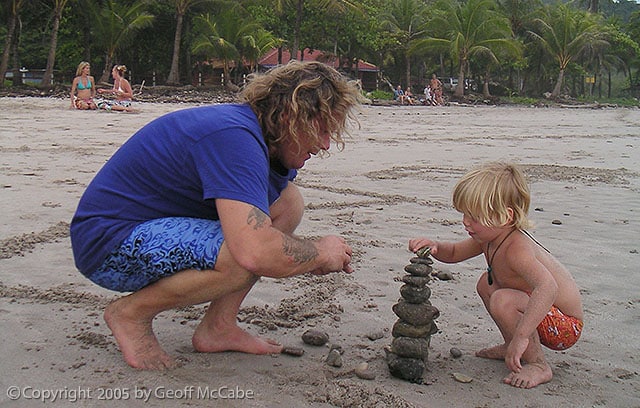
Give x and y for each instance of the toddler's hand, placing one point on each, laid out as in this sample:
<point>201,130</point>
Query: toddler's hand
<point>416,243</point>
<point>515,350</point>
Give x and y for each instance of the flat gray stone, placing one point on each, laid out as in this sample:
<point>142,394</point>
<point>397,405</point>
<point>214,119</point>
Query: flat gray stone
<point>403,329</point>
<point>410,369</point>
<point>418,269</point>
<point>416,314</point>
<point>315,337</point>
<point>411,347</point>
<point>415,294</point>
<point>418,281</point>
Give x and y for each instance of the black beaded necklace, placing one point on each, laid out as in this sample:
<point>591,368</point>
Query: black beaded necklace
<point>490,261</point>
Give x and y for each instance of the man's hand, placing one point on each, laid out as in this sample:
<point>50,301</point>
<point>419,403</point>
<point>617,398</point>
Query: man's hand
<point>335,254</point>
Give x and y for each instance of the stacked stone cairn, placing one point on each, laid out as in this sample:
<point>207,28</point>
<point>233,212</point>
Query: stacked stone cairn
<point>407,355</point>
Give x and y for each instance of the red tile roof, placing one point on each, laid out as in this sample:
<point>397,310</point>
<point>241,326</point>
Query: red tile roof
<point>270,59</point>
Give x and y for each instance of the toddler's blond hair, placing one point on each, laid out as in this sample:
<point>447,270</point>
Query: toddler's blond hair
<point>486,193</point>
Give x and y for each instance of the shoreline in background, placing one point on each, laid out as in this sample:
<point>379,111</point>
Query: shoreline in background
<point>193,94</point>
<point>393,181</point>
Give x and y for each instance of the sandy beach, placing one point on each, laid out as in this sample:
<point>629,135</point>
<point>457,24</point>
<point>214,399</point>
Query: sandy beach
<point>392,182</point>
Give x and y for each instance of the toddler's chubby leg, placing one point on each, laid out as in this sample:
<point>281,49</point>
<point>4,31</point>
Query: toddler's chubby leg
<point>485,291</point>
<point>506,307</point>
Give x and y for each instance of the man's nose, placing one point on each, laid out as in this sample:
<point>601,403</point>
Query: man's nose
<point>325,141</point>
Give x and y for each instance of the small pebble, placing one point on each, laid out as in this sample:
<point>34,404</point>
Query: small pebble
<point>444,275</point>
<point>315,337</point>
<point>362,371</point>
<point>293,351</point>
<point>423,252</point>
<point>336,347</point>
<point>376,335</point>
<point>463,378</point>
<point>455,352</point>
<point>334,358</point>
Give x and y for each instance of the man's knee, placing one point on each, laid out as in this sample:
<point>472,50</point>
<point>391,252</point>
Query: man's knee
<point>287,211</point>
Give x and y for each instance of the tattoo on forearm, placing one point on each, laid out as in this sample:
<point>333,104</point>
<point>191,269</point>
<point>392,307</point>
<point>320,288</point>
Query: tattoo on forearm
<point>300,250</point>
<point>257,218</point>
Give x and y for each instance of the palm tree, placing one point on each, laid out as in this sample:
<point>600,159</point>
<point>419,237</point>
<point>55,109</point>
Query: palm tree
<point>115,24</point>
<point>612,56</point>
<point>406,21</point>
<point>223,36</point>
<point>592,5</point>
<point>282,6</point>
<point>15,7</point>
<point>566,33</point>
<point>181,6</point>
<point>627,50</point>
<point>520,14</point>
<point>257,44</point>
<point>470,29</point>
<point>58,6</point>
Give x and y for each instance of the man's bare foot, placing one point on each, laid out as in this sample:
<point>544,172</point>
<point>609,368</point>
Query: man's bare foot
<point>232,339</point>
<point>532,374</point>
<point>136,340</point>
<point>495,353</point>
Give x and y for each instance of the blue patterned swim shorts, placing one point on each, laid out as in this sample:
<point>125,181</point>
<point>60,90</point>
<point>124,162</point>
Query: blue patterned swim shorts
<point>160,248</point>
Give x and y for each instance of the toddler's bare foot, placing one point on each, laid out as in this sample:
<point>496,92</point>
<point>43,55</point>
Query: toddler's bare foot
<point>532,374</point>
<point>495,353</point>
<point>136,340</point>
<point>232,339</point>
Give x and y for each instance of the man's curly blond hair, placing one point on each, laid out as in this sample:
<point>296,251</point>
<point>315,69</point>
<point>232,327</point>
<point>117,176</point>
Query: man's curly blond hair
<point>295,99</point>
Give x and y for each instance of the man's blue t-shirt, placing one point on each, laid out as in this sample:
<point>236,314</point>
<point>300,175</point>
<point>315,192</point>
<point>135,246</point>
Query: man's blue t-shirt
<point>176,166</point>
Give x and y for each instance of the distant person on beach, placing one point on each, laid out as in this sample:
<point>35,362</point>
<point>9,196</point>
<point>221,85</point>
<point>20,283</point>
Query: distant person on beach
<point>83,88</point>
<point>398,95</point>
<point>428,96</point>
<point>436,87</point>
<point>121,91</point>
<point>409,97</point>
<point>532,298</point>
<point>200,203</point>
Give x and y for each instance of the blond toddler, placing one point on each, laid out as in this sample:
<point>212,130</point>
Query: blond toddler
<point>530,295</point>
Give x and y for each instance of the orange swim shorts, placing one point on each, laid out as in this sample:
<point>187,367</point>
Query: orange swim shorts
<point>558,331</point>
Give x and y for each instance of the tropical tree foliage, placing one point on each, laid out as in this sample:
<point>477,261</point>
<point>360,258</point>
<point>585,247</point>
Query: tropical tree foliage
<point>230,36</point>
<point>516,46</point>
<point>566,33</point>
<point>115,27</point>
<point>58,7</point>
<point>181,7</point>
<point>474,29</point>
<point>13,7</point>
<point>406,22</point>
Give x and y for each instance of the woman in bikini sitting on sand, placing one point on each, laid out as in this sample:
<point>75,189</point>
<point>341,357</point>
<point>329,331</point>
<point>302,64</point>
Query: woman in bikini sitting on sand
<point>83,88</point>
<point>121,89</point>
